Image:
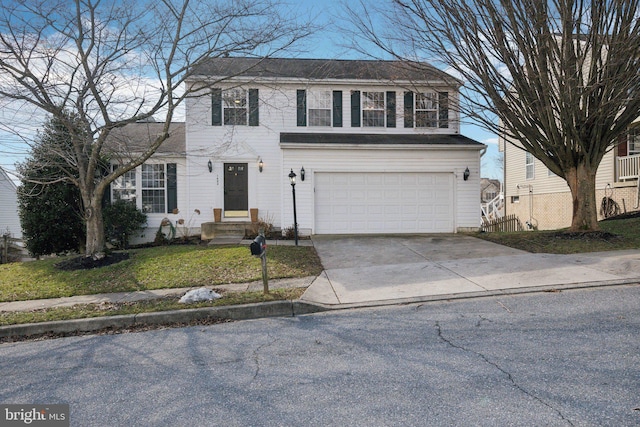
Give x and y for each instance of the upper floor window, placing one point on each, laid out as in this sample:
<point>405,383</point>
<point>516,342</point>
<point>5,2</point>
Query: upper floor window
<point>529,165</point>
<point>320,105</point>
<point>235,106</point>
<point>373,109</point>
<point>426,110</point>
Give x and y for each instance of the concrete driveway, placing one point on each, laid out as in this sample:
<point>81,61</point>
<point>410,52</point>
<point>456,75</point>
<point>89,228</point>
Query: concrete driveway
<point>375,270</point>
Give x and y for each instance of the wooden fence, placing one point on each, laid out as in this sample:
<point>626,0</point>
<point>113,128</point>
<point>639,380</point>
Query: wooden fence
<point>506,223</point>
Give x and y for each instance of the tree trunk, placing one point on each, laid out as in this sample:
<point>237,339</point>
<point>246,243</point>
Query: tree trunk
<point>582,182</point>
<point>95,230</point>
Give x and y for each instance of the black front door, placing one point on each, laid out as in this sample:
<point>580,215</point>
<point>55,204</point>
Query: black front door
<point>235,187</point>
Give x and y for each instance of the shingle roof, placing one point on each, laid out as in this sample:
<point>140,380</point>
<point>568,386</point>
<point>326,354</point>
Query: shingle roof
<point>321,69</point>
<point>135,137</point>
<point>372,139</point>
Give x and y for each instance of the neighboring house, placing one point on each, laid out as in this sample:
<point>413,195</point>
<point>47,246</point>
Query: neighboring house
<point>491,199</point>
<point>9,218</point>
<point>376,148</point>
<point>542,200</point>
<point>489,189</point>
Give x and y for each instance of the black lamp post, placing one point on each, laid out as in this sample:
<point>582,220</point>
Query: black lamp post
<point>292,179</point>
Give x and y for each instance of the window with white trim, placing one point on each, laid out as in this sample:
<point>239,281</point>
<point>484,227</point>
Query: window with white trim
<point>320,105</point>
<point>634,141</point>
<point>529,165</point>
<point>124,187</point>
<point>153,188</point>
<point>235,106</point>
<point>427,110</point>
<point>373,109</point>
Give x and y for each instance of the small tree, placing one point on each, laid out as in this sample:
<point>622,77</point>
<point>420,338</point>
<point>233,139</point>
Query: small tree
<point>51,214</point>
<point>122,220</point>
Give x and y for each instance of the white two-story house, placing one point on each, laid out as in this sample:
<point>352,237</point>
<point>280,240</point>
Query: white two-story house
<point>375,147</point>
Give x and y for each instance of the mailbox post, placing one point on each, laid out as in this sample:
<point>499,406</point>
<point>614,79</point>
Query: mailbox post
<point>259,248</point>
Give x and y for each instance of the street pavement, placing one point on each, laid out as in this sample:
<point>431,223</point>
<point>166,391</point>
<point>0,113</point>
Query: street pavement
<point>567,358</point>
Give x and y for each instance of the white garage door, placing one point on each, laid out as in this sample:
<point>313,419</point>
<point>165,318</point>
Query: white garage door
<point>383,202</point>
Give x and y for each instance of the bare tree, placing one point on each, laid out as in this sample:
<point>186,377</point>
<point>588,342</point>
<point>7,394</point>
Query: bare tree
<point>113,63</point>
<point>558,78</point>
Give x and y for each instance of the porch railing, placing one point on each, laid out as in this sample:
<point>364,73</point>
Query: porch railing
<point>493,208</point>
<point>628,167</point>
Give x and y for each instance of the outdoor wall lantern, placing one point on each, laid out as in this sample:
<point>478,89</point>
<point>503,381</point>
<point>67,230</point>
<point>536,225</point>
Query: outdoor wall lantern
<point>210,166</point>
<point>302,174</point>
<point>292,180</point>
<point>260,164</point>
<point>466,174</point>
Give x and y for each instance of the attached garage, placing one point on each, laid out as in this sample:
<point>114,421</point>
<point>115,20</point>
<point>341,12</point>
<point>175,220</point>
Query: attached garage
<point>384,202</point>
<point>381,184</point>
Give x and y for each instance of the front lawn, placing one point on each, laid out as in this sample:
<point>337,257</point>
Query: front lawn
<point>616,234</point>
<point>156,268</point>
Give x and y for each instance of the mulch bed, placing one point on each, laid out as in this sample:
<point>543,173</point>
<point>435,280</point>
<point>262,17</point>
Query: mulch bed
<point>87,263</point>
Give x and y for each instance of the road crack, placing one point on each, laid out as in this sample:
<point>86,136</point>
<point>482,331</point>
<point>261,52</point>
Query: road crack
<point>502,370</point>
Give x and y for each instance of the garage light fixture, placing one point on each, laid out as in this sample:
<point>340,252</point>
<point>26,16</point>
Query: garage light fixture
<point>466,174</point>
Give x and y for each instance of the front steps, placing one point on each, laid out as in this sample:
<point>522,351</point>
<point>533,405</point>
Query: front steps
<point>227,230</point>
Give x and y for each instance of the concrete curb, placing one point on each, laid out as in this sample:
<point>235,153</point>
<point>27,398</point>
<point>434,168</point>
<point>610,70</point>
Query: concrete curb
<point>239,312</point>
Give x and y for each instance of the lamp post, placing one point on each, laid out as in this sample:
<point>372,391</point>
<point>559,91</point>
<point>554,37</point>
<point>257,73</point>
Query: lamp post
<point>292,180</point>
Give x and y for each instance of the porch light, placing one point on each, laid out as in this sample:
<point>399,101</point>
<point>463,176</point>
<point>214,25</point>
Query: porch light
<point>210,166</point>
<point>260,164</point>
<point>466,174</point>
<point>302,174</point>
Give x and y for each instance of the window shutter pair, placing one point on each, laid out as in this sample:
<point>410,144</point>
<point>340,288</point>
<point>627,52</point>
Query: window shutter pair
<point>216,107</point>
<point>390,107</point>
<point>301,108</point>
<point>443,109</point>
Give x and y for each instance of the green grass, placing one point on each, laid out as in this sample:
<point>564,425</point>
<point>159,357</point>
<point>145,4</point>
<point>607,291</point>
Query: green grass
<point>626,235</point>
<point>84,311</point>
<point>156,268</point>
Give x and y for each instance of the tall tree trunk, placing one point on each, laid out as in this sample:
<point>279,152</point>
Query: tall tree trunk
<point>95,229</point>
<point>582,182</point>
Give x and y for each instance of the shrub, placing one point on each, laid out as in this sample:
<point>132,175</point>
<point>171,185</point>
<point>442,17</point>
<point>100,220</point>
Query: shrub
<point>121,220</point>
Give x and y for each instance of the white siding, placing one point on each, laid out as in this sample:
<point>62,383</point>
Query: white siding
<point>9,219</point>
<point>270,191</point>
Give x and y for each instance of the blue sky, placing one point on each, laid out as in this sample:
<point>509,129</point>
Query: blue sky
<point>330,42</point>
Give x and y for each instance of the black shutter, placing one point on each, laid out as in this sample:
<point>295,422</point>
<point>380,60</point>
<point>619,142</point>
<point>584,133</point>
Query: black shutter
<point>355,108</point>
<point>216,107</point>
<point>443,107</point>
<point>391,109</point>
<point>408,109</point>
<point>337,108</point>
<point>301,107</point>
<point>172,187</point>
<point>254,112</point>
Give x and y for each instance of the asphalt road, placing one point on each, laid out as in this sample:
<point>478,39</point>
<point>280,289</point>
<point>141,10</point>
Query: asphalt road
<point>547,359</point>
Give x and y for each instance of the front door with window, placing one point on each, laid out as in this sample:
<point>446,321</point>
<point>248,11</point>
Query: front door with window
<point>236,199</point>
